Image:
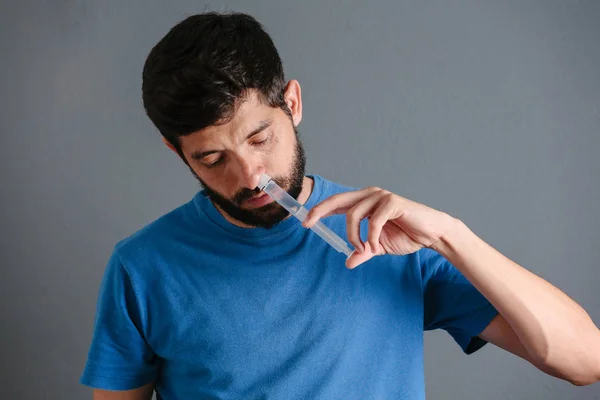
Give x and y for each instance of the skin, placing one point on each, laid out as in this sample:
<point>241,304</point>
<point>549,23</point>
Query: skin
<point>536,321</point>
<point>243,151</point>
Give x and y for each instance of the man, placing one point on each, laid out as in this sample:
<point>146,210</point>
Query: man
<point>227,297</point>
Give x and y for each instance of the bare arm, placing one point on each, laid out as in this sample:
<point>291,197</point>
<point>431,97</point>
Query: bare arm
<point>141,393</point>
<point>500,333</point>
<point>538,321</point>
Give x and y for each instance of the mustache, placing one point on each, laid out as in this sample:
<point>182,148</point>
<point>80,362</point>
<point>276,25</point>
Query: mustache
<point>246,194</point>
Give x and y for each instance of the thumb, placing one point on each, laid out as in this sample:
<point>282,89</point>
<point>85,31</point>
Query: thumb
<point>357,258</point>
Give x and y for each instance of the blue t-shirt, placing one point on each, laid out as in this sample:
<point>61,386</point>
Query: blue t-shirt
<point>210,310</point>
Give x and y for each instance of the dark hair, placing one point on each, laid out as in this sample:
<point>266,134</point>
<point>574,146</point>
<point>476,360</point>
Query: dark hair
<point>198,74</point>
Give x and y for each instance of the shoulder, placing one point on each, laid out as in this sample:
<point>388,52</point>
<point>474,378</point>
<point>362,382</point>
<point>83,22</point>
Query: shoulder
<point>158,234</point>
<point>331,188</point>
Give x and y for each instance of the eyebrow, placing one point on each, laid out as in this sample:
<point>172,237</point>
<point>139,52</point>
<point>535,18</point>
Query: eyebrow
<point>198,155</point>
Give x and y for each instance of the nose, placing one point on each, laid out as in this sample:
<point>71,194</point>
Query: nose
<point>250,171</point>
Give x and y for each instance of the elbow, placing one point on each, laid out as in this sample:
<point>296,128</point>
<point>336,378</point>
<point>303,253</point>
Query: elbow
<point>585,380</point>
<point>576,360</point>
<point>577,376</point>
<point>589,371</point>
<point>590,374</point>
<point>580,371</point>
<point>580,367</point>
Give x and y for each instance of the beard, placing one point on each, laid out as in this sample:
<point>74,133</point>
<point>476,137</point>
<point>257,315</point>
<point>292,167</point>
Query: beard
<point>270,214</point>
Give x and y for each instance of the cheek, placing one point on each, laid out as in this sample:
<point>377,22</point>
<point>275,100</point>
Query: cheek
<point>218,185</point>
<point>213,181</point>
<point>284,153</point>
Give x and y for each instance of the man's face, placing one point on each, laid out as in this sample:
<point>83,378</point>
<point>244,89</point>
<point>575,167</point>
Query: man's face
<point>228,160</point>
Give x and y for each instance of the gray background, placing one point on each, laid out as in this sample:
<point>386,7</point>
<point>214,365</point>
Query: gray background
<point>487,110</point>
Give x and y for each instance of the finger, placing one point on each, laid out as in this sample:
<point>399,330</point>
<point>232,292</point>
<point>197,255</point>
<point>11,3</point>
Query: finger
<point>378,219</point>
<point>337,203</point>
<point>356,214</point>
<point>341,210</point>
<point>356,259</point>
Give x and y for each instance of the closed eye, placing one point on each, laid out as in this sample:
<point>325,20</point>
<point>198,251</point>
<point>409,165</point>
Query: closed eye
<point>263,141</point>
<point>255,143</point>
<point>214,163</point>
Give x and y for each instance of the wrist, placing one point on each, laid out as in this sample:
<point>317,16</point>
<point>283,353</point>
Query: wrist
<point>449,243</point>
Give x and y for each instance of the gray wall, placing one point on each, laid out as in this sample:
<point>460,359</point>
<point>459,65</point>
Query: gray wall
<point>487,110</point>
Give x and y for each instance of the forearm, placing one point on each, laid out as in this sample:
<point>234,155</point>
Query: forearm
<point>141,393</point>
<point>556,332</point>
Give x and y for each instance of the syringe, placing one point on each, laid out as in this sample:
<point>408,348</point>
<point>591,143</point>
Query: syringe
<point>297,210</point>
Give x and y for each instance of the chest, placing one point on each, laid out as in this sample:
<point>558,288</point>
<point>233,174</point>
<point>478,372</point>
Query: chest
<point>226,327</point>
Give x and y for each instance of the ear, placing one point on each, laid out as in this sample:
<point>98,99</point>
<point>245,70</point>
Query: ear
<point>170,145</point>
<point>293,99</point>
<point>174,150</point>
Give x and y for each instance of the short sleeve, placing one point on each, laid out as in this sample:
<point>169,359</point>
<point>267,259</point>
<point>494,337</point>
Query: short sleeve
<point>452,303</point>
<point>119,358</point>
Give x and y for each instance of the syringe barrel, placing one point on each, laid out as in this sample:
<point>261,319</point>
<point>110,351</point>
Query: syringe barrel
<point>332,238</point>
<point>297,210</point>
<point>282,197</point>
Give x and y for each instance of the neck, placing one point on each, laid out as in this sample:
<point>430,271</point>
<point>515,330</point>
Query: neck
<point>307,188</point>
